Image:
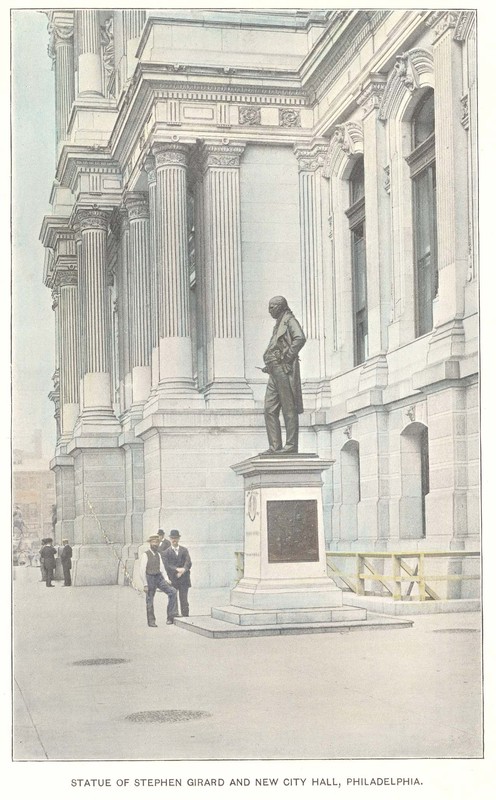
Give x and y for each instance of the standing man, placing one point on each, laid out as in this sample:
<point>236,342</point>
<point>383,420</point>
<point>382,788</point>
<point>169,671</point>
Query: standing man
<point>164,543</point>
<point>66,559</point>
<point>284,386</point>
<point>154,577</point>
<point>178,564</point>
<point>47,555</point>
<point>42,564</point>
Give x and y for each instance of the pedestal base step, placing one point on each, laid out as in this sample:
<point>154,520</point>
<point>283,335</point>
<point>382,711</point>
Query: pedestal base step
<point>220,629</point>
<point>247,616</point>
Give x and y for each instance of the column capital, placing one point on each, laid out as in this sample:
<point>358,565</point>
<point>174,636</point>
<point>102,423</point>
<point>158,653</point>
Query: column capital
<point>170,154</point>
<point>371,92</point>
<point>60,31</point>
<point>150,168</point>
<point>137,205</point>
<point>311,156</point>
<point>66,276</point>
<point>221,154</point>
<point>92,219</point>
<point>458,22</point>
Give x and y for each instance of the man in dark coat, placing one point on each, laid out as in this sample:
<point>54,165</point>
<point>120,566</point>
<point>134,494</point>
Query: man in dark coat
<point>164,543</point>
<point>47,556</point>
<point>42,565</point>
<point>177,563</point>
<point>66,559</point>
<point>284,386</point>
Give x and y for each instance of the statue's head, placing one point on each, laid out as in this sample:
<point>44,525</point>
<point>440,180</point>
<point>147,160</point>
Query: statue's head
<point>277,305</point>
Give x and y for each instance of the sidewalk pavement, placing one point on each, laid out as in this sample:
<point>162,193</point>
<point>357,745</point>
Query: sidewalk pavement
<point>408,693</point>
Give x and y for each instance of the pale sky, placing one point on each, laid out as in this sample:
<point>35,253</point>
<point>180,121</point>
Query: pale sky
<point>33,168</point>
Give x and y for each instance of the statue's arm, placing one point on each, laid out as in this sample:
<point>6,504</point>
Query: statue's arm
<point>297,338</point>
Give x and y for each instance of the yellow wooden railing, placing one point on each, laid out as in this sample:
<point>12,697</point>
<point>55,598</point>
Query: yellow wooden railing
<point>402,571</point>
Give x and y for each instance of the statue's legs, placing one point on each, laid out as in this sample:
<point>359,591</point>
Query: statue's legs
<point>279,395</point>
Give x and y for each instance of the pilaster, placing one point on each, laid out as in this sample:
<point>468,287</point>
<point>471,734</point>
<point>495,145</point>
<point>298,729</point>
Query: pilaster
<point>314,212</point>
<point>222,279</point>
<point>377,215</point>
<point>452,185</point>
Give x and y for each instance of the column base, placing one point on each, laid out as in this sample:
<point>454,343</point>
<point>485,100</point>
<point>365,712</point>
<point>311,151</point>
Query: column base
<point>229,393</point>
<point>179,393</point>
<point>286,594</point>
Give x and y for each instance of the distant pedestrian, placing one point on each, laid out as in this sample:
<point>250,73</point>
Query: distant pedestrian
<point>42,563</point>
<point>66,559</point>
<point>177,563</point>
<point>47,554</point>
<point>154,577</point>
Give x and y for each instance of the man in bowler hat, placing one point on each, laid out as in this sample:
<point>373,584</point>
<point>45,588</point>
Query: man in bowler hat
<point>47,556</point>
<point>66,559</point>
<point>154,577</point>
<point>177,563</point>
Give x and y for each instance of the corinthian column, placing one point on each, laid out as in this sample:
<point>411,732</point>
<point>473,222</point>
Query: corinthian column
<point>139,294</point>
<point>90,59</point>
<point>222,279</point>
<point>314,212</point>
<point>175,351</point>
<point>94,312</point>
<point>68,326</point>
<point>152,200</point>
<point>62,52</point>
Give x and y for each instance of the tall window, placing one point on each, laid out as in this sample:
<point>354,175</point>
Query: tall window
<point>356,217</point>
<point>423,175</point>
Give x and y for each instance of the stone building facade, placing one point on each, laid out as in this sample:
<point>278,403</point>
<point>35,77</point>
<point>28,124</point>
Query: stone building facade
<point>208,160</point>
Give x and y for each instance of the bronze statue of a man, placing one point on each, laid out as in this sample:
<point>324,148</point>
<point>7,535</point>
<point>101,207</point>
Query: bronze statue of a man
<point>284,386</point>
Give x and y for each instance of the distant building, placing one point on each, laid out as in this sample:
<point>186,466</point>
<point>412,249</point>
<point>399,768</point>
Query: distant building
<point>208,160</point>
<point>34,497</point>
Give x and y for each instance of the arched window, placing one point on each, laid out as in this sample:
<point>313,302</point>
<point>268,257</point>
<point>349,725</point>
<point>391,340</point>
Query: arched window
<point>350,490</point>
<point>414,480</point>
<point>356,218</point>
<point>423,177</point>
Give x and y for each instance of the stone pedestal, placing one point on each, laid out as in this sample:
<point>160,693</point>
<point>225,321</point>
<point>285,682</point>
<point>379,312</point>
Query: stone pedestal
<point>284,552</point>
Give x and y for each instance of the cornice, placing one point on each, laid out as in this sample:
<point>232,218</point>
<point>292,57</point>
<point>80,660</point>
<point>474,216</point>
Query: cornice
<point>412,69</point>
<point>53,228</point>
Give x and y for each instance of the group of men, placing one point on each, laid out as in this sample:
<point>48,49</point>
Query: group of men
<point>165,566</point>
<point>48,554</point>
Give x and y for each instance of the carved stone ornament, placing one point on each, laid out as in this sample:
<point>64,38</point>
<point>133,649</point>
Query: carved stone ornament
<point>221,155</point>
<point>59,34</point>
<point>93,219</point>
<point>250,115</point>
<point>347,139</point>
<point>67,277</point>
<point>55,298</point>
<point>412,69</point>
<point>137,206</point>
<point>465,21</point>
<point>310,158</point>
<point>465,114</point>
<point>330,220</point>
<point>387,178</point>
<point>171,154</point>
<point>441,21</point>
<point>150,170</point>
<point>289,118</point>
<point>371,95</point>
<point>348,432</point>
<point>410,412</point>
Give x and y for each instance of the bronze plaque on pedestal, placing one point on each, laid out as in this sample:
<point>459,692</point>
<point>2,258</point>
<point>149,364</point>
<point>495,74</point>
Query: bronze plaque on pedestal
<point>292,531</point>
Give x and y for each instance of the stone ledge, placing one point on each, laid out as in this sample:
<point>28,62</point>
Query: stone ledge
<point>219,629</point>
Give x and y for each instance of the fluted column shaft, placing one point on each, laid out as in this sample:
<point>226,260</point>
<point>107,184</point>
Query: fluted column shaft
<point>314,212</point>
<point>68,338</point>
<point>63,53</point>
<point>139,294</point>
<point>95,322</point>
<point>223,274</point>
<point>134,19</point>
<point>153,312</point>
<point>175,357</point>
<point>90,58</point>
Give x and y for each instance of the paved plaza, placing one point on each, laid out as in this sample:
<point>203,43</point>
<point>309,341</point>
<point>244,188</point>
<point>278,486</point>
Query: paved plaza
<point>93,682</point>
